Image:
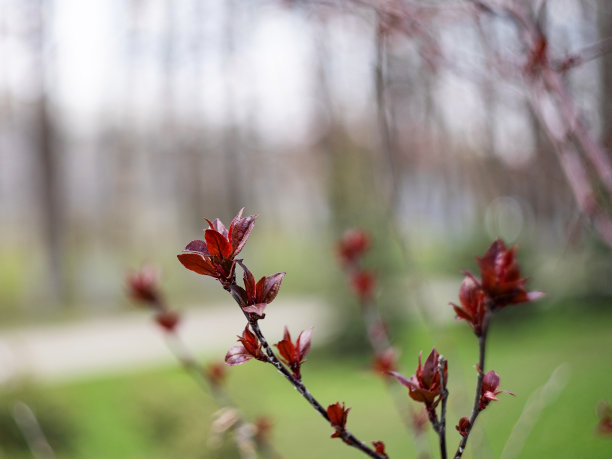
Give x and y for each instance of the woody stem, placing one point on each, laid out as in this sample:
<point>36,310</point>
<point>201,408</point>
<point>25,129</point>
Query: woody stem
<point>347,436</point>
<point>482,342</point>
<point>442,424</point>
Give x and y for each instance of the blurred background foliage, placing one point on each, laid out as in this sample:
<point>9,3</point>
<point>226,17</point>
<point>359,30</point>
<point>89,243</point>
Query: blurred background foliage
<point>124,123</point>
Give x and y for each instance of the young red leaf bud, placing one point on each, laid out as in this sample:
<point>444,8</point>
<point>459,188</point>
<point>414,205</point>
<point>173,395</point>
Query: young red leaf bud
<point>425,386</point>
<point>489,390</point>
<point>501,277</point>
<point>294,355</point>
<point>337,415</point>
<point>353,244</point>
<point>214,256</point>
<point>143,286</point>
<point>463,426</point>
<point>473,304</point>
<point>380,448</point>
<point>167,320</point>
<point>250,348</point>
<point>363,283</point>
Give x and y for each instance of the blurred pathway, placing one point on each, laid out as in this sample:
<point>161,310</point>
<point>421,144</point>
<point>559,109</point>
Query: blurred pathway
<point>133,341</point>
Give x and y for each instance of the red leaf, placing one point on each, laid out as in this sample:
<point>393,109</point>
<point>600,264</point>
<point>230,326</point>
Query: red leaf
<point>303,343</point>
<point>256,309</point>
<point>198,246</point>
<point>196,262</point>
<point>217,245</point>
<point>338,415</point>
<point>380,447</point>
<point>286,334</point>
<point>239,231</point>
<point>286,350</point>
<point>403,380</point>
<point>268,286</point>
<point>249,284</point>
<point>143,285</point>
<point>218,226</point>
<point>463,426</point>
<point>168,320</point>
<point>237,355</point>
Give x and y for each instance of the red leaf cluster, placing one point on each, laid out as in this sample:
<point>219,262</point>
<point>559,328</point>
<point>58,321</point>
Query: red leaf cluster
<point>501,285</point>
<point>489,390</point>
<point>293,355</point>
<point>214,256</point>
<point>250,348</point>
<point>353,244</point>
<point>463,427</point>
<point>363,283</point>
<point>425,385</point>
<point>167,320</point>
<point>338,415</point>
<point>380,448</point>
<point>473,307</point>
<point>258,295</point>
<point>143,285</point>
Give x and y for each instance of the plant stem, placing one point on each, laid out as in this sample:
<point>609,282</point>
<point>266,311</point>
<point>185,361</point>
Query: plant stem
<point>347,436</point>
<point>442,424</point>
<point>482,342</point>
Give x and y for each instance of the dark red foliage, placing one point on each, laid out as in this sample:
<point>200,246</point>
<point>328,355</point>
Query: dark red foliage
<point>464,426</point>
<point>425,386</point>
<point>259,295</point>
<point>167,320</point>
<point>293,355</point>
<point>143,285</point>
<point>337,415</point>
<point>380,448</point>
<point>489,390</point>
<point>385,362</point>
<point>250,348</point>
<point>473,304</point>
<point>214,256</point>
<point>501,277</point>
<point>353,244</point>
<point>363,283</point>
<point>501,285</point>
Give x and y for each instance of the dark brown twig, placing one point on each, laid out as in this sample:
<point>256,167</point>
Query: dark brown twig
<point>482,344</point>
<point>347,436</point>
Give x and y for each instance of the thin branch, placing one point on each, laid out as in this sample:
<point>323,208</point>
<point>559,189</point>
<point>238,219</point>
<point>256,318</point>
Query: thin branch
<point>347,436</point>
<point>442,424</point>
<point>482,343</point>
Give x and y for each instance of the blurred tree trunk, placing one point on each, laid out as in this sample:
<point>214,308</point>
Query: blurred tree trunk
<point>605,31</point>
<point>231,135</point>
<point>48,160</point>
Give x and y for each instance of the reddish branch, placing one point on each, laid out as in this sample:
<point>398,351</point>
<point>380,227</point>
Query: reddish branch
<point>215,256</point>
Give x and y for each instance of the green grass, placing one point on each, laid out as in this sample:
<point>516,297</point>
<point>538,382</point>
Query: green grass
<point>162,413</point>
